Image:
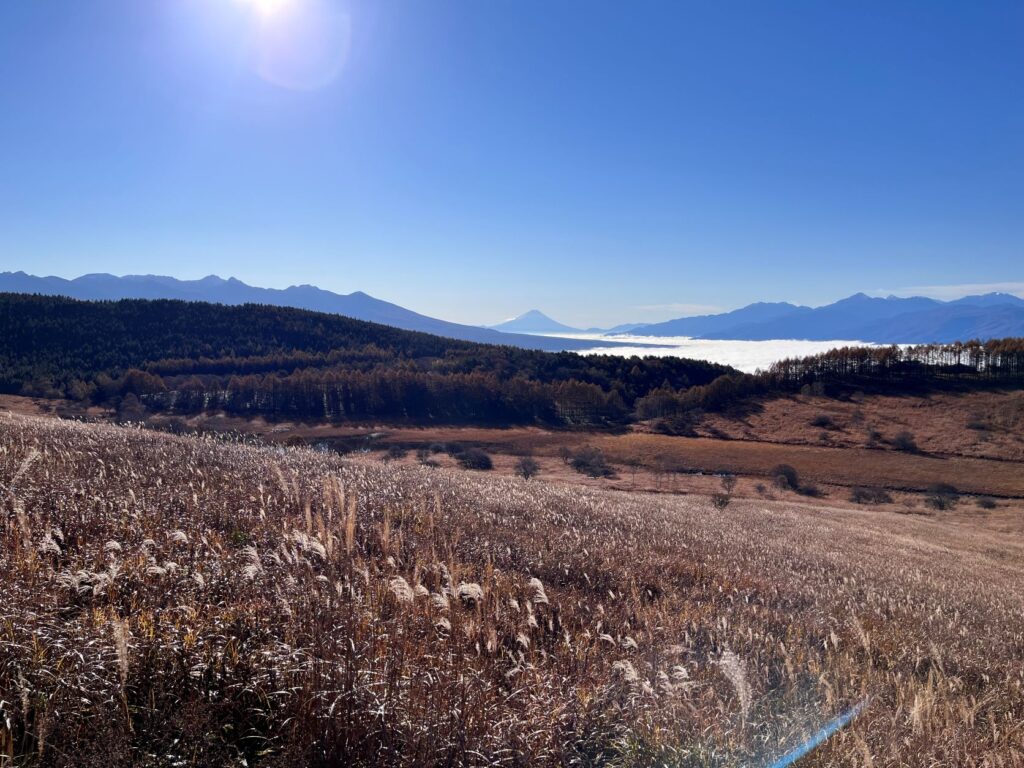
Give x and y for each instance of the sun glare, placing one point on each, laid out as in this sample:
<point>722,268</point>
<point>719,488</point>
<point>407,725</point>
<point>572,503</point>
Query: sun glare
<point>266,8</point>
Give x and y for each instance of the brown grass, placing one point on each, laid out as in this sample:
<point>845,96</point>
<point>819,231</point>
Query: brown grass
<point>983,424</point>
<point>666,455</point>
<point>837,466</point>
<point>173,600</point>
<point>973,441</point>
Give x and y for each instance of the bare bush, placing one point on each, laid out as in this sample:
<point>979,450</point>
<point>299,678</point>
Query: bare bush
<point>474,458</point>
<point>905,441</point>
<point>810,489</point>
<point>785,477</point>
<point>527,467</point>
<point>590,461</point>
<point>395,453</point>
<point>860,494</point>
<point>824,421</point>
<point>942,496</point>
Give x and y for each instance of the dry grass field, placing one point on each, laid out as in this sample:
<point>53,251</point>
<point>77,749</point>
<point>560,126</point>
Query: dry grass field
<point>973,441</point>
<point>191,601</point>
<point>983,424</point>
<point>832,465</point>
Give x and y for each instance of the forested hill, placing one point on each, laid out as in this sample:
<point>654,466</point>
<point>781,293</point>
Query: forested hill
<point>278,361</point>
<point>358,305</point>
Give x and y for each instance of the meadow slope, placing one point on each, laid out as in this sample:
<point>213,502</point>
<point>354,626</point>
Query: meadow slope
<point>182,600</point>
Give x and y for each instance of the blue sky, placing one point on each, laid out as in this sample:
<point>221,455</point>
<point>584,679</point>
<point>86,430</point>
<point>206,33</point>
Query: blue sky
<point>605,162</point>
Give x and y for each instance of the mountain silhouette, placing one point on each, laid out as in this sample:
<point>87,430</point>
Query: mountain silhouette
<point>890,320</point>
<point>218,290</point>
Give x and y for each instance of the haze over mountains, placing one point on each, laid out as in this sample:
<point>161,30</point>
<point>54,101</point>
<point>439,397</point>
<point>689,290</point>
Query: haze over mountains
<point>215,289</point>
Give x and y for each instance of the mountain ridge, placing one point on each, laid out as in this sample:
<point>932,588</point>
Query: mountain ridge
<point>232,291</point>
<point>891,320</point>
<point>859,317</point>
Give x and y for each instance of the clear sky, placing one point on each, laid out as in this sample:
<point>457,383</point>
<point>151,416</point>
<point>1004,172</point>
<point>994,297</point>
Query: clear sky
<point>604,162</point>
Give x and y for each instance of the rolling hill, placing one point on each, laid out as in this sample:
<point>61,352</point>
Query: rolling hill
<point>280,361</point>
<point>231,291</point>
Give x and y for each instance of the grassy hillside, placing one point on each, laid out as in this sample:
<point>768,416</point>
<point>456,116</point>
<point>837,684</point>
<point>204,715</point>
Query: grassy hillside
<point>179,600</point>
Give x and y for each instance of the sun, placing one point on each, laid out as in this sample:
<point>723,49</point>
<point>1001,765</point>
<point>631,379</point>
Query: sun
<point>266,8</point>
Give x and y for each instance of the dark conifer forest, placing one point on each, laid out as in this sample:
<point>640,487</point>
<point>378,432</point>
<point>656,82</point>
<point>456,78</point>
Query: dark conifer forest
<point>183,358</point>
<point>189,357</point>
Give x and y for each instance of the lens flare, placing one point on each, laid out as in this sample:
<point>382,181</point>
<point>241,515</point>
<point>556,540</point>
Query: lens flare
<point>305,45</point>
<point>820,736</point>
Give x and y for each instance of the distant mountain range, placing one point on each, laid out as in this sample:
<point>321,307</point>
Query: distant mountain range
<point>215,289</point>
<point>702,325</point>
<point>891,320</point>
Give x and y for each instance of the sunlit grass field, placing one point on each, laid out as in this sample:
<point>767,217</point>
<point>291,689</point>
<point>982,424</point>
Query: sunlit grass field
<point>190,601</point>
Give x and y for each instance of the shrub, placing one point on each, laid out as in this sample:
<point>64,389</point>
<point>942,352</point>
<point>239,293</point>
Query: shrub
<point>810,489</point>
<point>176,425</point>
<point>985,502</point>
<point>69,411</point>
<point>590,461</point>
<point>527,467</point>
<point>785,477</point>
<point>130,409</point>
<point>905,441</point>
<point>395,452</point>
<point>474,458</point>
<point>824,421</point>
<point>860,494</point>
<point>941,496</point>
<point>722,500</point>
<point>682,424</point>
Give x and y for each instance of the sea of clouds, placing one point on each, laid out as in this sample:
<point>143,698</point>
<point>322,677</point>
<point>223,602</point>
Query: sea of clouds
<point>747,356</point>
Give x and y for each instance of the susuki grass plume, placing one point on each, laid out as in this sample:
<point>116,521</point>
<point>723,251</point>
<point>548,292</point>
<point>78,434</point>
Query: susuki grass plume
<point>163,604</point>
